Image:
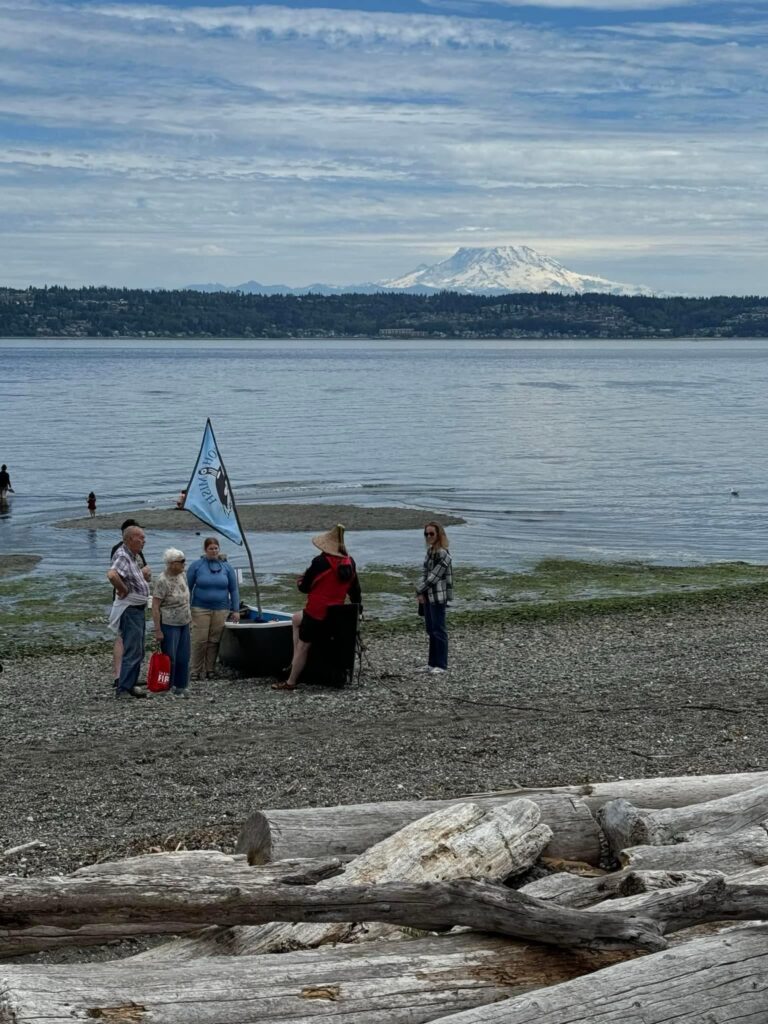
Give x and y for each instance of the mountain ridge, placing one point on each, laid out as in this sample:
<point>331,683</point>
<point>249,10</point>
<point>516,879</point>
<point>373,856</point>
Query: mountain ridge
<point>471,271</point>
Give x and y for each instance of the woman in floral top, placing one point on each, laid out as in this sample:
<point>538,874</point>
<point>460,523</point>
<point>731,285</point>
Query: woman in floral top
<point>172,615</point>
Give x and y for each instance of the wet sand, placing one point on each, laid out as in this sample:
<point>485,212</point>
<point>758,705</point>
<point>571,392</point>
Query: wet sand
<point>268,518</point>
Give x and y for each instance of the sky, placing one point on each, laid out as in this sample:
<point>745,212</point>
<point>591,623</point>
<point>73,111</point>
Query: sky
<point>170,143</point>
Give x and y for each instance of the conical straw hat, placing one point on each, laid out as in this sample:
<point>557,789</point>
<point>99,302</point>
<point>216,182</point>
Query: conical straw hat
<point>332,541</point>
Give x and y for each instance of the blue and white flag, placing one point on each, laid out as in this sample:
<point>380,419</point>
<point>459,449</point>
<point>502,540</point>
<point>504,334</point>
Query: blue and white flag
<point>209,496</point>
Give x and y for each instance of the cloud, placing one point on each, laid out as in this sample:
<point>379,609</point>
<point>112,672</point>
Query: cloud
<point>187,135</point>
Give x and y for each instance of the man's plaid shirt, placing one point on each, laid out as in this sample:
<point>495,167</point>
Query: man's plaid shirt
<point>130,571</point>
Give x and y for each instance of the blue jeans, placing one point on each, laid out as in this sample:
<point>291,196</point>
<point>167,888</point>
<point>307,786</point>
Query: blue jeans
<point>177,646</point>
<point>132,625</point>
<point>434,620</point>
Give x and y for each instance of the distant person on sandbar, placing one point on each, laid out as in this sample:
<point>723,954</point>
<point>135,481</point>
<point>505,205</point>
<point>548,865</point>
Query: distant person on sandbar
<point>91,503</point>
<point>330,578</point>
<point>117,651</point>
<point>215,597</point>
<point>181,499</point>
<point>433,594</point>
<point>5,482</point>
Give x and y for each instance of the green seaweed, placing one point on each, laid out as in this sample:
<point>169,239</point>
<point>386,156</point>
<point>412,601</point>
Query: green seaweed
<point>39,614</point>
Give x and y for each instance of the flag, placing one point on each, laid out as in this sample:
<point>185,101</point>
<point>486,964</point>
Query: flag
<point>209,495</point>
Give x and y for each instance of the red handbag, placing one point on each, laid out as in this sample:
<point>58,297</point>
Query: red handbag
<point>159,673</point>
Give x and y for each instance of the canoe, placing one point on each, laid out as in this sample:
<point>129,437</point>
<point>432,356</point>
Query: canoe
<point>264,647</point>
<point>257,647</point>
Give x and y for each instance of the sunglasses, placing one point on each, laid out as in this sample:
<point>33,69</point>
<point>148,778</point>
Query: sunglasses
<point>430,533</point>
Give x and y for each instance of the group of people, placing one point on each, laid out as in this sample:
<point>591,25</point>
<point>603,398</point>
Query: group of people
<point>191,604</point>
<point>189,608</point>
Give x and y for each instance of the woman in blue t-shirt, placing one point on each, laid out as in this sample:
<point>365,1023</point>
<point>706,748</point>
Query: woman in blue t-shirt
<point>214,598</point>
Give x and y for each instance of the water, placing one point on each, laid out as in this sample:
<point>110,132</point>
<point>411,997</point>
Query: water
<point>584,449</point>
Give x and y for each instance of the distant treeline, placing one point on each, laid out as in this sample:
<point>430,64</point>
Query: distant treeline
<point>122,312</point>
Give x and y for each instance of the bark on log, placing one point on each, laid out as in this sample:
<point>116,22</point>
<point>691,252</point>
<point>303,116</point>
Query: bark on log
<point>381,983</point>
<point>626,825</point>
<point>349,830</point>
<point>459,841</point>
<point>722,978</point>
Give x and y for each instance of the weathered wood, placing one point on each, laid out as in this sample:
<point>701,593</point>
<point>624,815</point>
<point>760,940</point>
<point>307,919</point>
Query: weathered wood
<point>380,983</point>
<point>255,839</point>
<point>215,864</point>
<point>210,863</point>
<point>667,791</point>
<point>731,855</point>
<point>722,979</point>
<point>348,830</point>
<point>626,825</point>
<point>459,841</point>
<point>432,906</point>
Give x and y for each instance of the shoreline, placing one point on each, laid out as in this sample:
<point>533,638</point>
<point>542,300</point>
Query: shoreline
<point>650,691</point>
<point>283,517</point>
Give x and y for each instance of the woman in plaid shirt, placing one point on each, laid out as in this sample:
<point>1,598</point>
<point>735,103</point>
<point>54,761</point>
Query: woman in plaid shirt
<point>433,593</point>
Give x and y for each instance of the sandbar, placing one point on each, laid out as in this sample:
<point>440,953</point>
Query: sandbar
<point>276,518</point>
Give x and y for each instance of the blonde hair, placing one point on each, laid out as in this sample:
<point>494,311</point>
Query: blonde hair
<point>441,540</point>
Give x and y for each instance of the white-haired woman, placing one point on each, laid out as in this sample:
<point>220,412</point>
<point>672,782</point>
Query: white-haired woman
<point>172,615</point>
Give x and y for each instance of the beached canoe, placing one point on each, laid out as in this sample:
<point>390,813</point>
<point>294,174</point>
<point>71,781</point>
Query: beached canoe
<point>263,646</point>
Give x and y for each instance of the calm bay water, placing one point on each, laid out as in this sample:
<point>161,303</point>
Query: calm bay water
<point>591,449</point>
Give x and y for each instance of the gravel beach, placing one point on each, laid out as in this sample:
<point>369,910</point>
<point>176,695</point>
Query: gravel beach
<point>542,703</point>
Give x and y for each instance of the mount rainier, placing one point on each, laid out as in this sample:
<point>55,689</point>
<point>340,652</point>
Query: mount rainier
<point>472,271</point>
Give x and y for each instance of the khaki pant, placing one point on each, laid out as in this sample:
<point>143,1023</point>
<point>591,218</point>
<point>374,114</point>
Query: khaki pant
<point>207,628</point>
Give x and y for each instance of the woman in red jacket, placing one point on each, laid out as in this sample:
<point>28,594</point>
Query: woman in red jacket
<point>330,578</point>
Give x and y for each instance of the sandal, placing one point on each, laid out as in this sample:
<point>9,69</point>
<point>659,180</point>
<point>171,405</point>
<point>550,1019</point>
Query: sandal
<point>284,686</point>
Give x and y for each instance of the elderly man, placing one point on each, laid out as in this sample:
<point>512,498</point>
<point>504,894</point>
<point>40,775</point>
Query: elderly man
<point>129,610</point>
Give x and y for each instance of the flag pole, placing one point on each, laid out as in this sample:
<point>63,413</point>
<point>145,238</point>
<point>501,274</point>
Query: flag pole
<point>239,524</point>
<point>209,426</point>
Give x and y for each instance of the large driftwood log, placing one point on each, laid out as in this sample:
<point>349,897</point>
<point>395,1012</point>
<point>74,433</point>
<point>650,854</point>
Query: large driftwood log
<point>722,979</point>
<point>626,825</point>
<point>381,983</point>
<point>431,906</point>
<point>347,831</point>
<point>460,841</point>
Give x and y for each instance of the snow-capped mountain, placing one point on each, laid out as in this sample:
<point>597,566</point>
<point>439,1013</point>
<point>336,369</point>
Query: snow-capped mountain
<point>506,268</point>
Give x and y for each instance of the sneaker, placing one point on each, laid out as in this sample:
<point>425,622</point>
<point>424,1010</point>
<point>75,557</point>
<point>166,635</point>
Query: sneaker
<point>438,671</point>
<point>176,692</point>
<point>422,669</point>
<point>135,691</point>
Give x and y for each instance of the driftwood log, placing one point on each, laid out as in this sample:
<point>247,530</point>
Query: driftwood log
<point>722,979</point>
<point>626,825</point>
<point>460,841</point>
<point>347,831</point>
<point>193,863</point>
<point>431,906</point>
<point>406,982</point>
